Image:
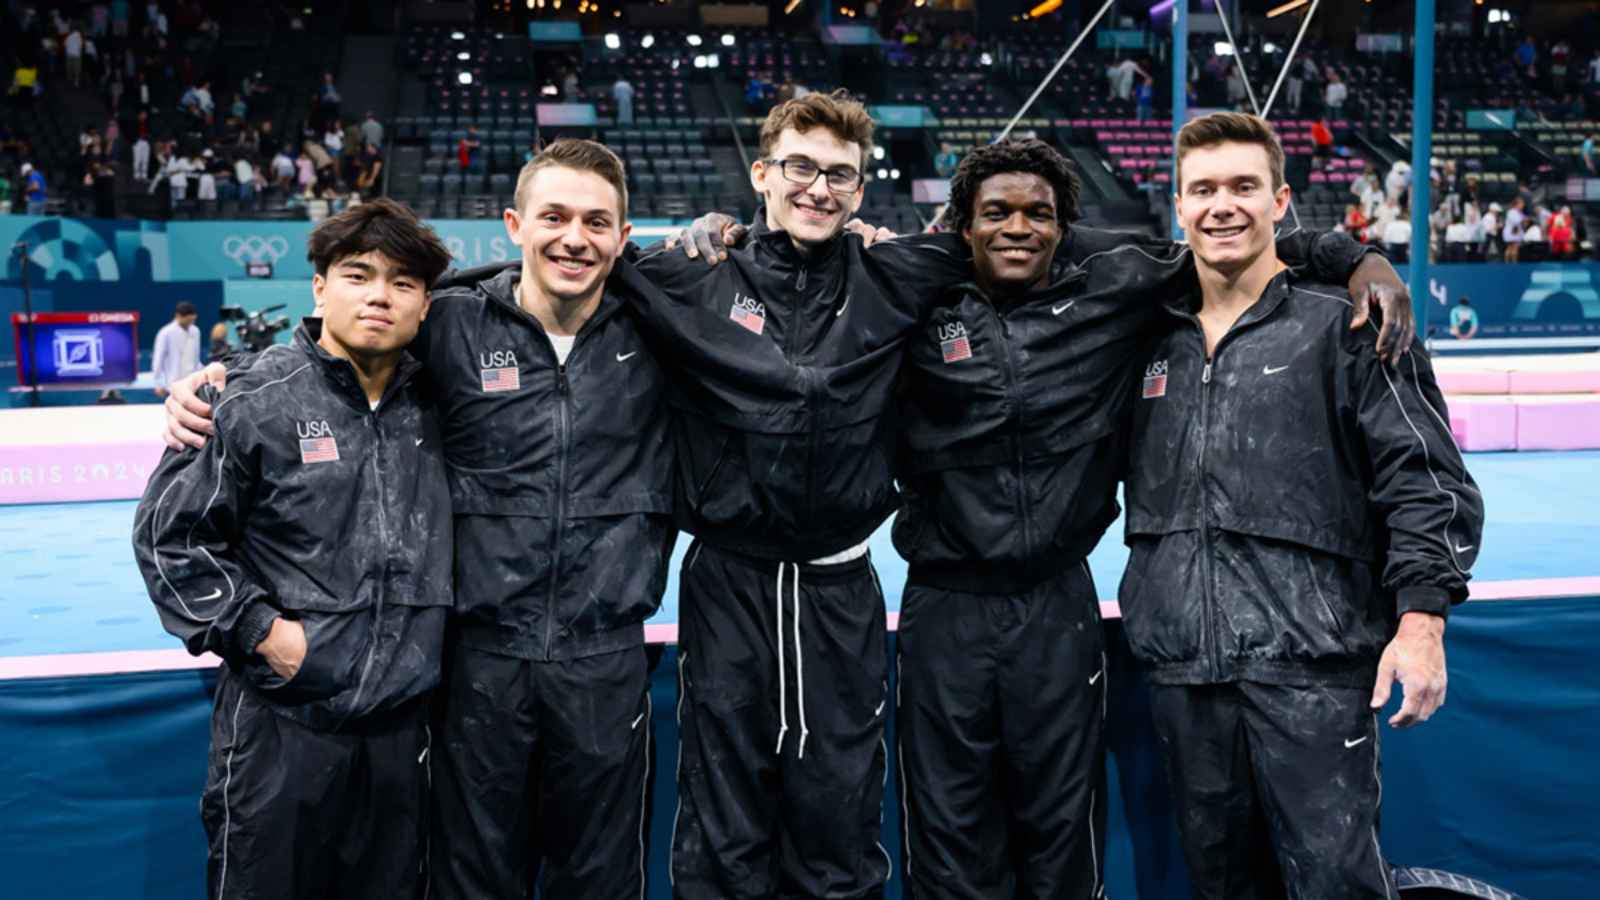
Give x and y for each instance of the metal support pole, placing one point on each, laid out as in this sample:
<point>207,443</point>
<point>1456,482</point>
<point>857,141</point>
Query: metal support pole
<point>1421,153</point>
<point>21,250</point>
<point>1180,93</point>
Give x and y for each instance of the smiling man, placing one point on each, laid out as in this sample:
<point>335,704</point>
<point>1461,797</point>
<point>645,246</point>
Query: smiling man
<point>308,545</point>
<point>783,361</point>
<point>560,469</point>
<point>1300,522</point>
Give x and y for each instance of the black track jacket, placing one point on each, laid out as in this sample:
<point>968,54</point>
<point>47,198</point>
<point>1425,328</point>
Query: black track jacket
<point>561,476</point>
<point>1289,498</point>
<point>784,369</point>
<point>1013,420</point>
<point>308,503</point>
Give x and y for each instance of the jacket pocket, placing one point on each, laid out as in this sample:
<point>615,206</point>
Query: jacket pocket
<point>1162,599</point>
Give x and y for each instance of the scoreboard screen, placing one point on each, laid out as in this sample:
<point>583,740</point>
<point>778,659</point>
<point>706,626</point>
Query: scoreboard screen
<point>77,348</point>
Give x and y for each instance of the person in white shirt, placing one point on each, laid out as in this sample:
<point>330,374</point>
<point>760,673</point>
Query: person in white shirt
<point>1120,79</point>
<point>244,180</point>
<point>1398,231</point>
<point>283,170</point>
<point>177,171</point>
<point>1398,180</point>
<point>73,46</point>
<point>1511,234</point>
<point>206,182</point>
<point>1335,95</point>
<point>333,138</point>
<point>141,159</point>
<point>177,348</point>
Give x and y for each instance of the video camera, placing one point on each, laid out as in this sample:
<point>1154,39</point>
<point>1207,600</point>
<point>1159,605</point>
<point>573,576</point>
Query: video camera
<point>254,329</point>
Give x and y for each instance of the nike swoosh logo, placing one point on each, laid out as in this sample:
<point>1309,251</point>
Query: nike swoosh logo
<point>211,596</point>
<point>1461,549</point>
<point>419,442</point>
<point>1270,370</point>
<point>843,308</point>
<point>1058,310</point>
<point>1097,676</point>
<point>624,357</point>
<point>1349,743</point>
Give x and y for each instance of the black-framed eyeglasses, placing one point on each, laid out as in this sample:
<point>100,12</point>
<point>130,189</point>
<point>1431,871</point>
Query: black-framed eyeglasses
<point>841,179</point>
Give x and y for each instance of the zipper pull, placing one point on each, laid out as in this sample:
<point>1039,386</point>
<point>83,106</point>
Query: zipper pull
<point>561,379</point>
<point>1205,374</point>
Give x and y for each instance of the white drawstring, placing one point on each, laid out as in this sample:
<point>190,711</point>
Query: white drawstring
<point>783,692</point>
<point>799,663</point>
<point>799,666</point>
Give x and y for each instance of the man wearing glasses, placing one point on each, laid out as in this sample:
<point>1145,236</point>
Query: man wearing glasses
<point>781,363</point>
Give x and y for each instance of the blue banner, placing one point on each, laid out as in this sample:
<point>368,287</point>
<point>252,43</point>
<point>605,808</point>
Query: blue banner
<point>1521,300</point>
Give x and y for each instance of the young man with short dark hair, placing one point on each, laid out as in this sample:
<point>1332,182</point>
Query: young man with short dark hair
<point>309,546</point>
<point>1300,523</point>
<point>176,351</point>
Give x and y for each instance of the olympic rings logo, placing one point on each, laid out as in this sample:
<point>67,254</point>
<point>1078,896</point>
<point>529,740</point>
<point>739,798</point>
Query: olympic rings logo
<point>254,248</point>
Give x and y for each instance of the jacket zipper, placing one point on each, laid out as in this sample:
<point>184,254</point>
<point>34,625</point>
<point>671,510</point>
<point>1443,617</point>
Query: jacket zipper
<point>1016,430</point>
<point>383,537</point>
<point>1212,638</point>
<point>564,440</point>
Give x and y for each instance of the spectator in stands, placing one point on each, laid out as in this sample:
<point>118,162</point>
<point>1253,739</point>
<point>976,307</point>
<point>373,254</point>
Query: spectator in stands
<point>34,193</point>
<point>622,94</point>
<point>1321,143</point>
<point>469,148</point>
<point>1532,232</point>
<point>1119,79</point>
<point>1559,55</point>
<point>1526,56</point>
<point>1397,233</point>
<point>283,171</point>
<point>570,90</point>
<point>25,83</point>
<point>177,348</point>
<point>1355,222</point>
<point>1145,98</point>
<point>1335,95</point>
<point>73,49</point>
<point>1511,234</point>
<point>1368,190</point>
<point>1562,234</point>
<point>1463,320</point>
<point>1589,153</point>
<point>333,138</point>
<point>1388,211</point>
<point>267,142</point>
<point>1296,87</point>
<point>1487,235</point>
<point>244,182</point>
<point>141,159</point>
<point>1398,183</point>
<point>947,160</point>
<point>305,173</point>
<point>322,164</point>
<point>328,99</point>
<point>1458,240</point>
<point>372,130</point>
<point>368,180</point>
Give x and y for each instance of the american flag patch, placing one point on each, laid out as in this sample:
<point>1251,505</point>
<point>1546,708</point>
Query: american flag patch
<point>750,319</point>
<point>956,349</point>
<point>506,379</point>
<point>1155,386</point>
<point>316,450</point>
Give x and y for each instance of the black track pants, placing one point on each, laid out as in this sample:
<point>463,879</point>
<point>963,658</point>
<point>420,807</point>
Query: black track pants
<point>543,771</point>
<point>296,814</point>
<point>1001,741</point>
<point>782,705</point>
<point>1277,789</point>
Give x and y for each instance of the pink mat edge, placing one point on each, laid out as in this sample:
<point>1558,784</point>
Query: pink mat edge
<point>123,662</point>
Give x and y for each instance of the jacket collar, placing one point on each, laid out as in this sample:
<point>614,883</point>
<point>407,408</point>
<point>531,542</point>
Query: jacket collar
<point>1065,278</point>
<point>499,286</point>
<point>777,244</point>
<point>1187,305</point>
<point>341,372</point>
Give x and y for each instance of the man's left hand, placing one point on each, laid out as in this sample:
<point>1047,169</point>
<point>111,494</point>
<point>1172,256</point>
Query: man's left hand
<point>1376,283</point>
<point>709,237</point>
<point>1416,659</point>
